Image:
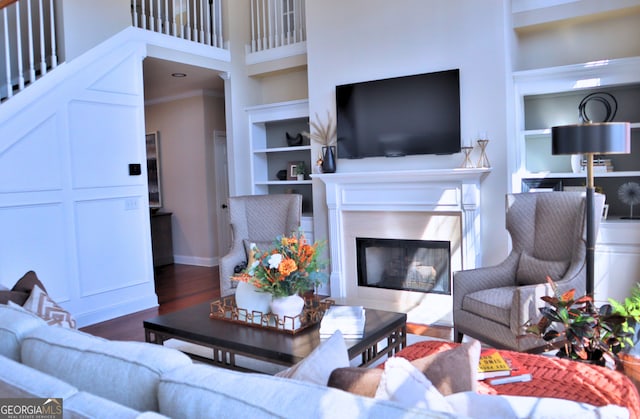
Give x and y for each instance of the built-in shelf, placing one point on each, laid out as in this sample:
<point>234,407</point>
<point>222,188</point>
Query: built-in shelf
<point>270,153</point>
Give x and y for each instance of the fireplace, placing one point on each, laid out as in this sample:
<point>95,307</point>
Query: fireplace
<point>439,205</point>
<point>410,265</point>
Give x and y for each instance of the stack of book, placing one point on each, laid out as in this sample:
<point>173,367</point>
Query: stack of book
<point>499,368</point>
<point>348,319</point>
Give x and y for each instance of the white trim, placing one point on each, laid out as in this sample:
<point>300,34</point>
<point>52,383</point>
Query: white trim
<point>196,261</point>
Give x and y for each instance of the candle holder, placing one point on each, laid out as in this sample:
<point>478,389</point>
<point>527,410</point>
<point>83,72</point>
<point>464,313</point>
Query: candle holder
<point>483,161</point>
<point>467,163</point>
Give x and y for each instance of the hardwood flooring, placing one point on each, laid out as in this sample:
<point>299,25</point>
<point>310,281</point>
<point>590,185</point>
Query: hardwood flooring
<point>177,287</point>
<point>180,286</point>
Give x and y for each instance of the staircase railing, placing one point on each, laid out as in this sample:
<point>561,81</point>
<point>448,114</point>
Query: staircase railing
<point>277,23</point>
<point>28,40</point>
<point>194,20</point>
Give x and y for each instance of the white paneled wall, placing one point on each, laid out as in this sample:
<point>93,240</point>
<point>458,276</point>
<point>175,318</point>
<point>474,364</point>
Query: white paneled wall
<point>69,209</point>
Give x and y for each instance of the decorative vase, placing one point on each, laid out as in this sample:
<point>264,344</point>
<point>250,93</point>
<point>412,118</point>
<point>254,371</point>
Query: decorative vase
<point>329,159</point>
<point>253,301</point>
<point>287,309</point>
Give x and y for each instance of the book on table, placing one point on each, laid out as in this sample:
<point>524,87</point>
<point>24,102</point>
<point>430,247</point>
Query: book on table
<point>350,320</point>
<point>518,373</point>
<point>492,364</point>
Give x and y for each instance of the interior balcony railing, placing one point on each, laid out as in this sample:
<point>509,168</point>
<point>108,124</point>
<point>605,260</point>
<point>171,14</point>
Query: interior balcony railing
<point>27,43</point>
<point>194,20</point>
<point>276,23</point>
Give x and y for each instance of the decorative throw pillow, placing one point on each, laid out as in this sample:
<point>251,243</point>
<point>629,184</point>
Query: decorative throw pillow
<point>532,271</point>
<point>40,304</point>
<point>452,371</point>
<point>317,366</point>
<point>355,380</point>
<point>21,290</point>
<point>403,383</point>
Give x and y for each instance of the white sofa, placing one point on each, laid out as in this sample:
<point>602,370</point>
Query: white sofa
<point>99,378</point>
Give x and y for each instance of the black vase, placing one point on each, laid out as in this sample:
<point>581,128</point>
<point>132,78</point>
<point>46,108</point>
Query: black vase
<point>329,159</point>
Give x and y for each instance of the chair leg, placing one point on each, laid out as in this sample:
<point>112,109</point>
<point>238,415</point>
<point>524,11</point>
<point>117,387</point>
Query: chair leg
<point>457,336</point>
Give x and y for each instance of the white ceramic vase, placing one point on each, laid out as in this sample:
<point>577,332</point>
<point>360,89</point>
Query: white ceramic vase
<point>284,307</point>
<point>250,299</point>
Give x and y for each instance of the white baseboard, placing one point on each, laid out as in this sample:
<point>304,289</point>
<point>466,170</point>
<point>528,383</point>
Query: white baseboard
<point>196,261</point>
<point>116,310</point>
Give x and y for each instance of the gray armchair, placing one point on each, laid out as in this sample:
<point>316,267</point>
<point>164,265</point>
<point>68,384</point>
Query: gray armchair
<point>548,235</point>
<point>257,219</point>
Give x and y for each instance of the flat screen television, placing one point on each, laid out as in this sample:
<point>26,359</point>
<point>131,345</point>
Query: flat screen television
<point>400,116</point>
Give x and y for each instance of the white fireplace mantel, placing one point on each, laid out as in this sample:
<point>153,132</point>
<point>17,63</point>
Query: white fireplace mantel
<point>429,191</point>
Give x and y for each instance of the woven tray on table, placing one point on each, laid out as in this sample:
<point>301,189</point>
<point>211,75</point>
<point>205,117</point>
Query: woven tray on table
<point>553,377</point>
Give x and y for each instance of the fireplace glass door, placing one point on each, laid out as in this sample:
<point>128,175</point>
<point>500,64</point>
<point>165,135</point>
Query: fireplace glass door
<point>410,265</point>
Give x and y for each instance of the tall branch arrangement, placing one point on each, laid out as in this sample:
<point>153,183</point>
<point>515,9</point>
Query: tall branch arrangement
<point>323,133</point>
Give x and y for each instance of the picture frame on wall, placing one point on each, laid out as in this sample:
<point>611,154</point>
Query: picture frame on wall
<point>153,170</point>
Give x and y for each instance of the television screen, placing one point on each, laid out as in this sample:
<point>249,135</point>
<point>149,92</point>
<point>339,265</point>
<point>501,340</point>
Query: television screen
<point>418,114</point>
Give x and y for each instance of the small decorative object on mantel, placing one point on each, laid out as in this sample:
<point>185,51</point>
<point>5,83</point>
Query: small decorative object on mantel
<point>288,269</point>
<point>294,141</point>
<point>325,135</point>
<point>629,193</point>
<point>467,163</point>
<point>483,161</point>
<point>282,174</point>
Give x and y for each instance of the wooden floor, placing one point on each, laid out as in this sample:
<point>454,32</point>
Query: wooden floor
<point>180,286</point>
<point>177,287</point>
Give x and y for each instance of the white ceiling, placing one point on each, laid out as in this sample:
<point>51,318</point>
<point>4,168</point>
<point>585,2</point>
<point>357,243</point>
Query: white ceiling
<point>159,83</point>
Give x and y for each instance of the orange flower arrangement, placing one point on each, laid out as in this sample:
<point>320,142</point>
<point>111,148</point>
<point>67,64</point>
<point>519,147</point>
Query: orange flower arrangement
<point>290,267</point>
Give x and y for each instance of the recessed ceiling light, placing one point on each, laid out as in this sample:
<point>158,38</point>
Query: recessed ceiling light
<point>178,75</point>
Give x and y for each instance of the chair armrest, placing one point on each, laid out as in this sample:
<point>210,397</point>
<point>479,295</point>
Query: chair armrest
<point>527,298</point>
<point>472,280</point>
<point>228,262</point>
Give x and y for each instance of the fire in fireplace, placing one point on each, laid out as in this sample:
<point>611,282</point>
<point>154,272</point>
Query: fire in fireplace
<point>411,265</point>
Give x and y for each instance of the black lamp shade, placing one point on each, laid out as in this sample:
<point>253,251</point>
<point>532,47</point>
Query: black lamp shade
<point>597,138</point>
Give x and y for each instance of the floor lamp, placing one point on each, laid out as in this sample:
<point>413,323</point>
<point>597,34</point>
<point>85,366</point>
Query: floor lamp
<point>590,139</point>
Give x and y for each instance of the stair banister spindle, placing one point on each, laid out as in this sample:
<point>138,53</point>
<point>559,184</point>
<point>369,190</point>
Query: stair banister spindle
<point>173,19</point>
<point>19,48</point>
<point>181,20</point>
<point>143,14</point>
<point>52,23</point>
<point>277,13</point>
<point>152,21</point>
<point>159,16</point>
<point>220,42</point>
<point>166,18</point>
<point>135,14</point>
<point>265,41</point>
<point>7,58</point>
<point>300,21</point>
<point>270,23</point>
<point>188,24</point>
<point>253,26</point>
<point>194,26</point>
<point>32,70</point>
<point>202,38</point>
<point>214,25</point>
<point>259,24</point>
<point>295,20</point>
<point>43,62</point>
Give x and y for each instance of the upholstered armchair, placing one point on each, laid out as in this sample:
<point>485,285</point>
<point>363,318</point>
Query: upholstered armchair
<point>257,219</point>
<point>548,237</point>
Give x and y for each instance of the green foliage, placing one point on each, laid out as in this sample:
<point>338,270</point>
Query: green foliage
<point>630,309</point>
<point>585,331</point>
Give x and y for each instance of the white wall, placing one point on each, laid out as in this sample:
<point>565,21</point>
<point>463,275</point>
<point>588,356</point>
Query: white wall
<point>88,23</point>
<point>69,209</point>
<point>370,39</point>
<point>186,134</point>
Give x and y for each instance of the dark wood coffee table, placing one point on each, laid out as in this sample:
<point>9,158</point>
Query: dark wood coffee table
<point>385,334</point>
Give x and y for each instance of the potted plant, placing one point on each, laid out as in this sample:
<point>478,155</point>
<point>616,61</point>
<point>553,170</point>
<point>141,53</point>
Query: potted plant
<point>585,332</point>
<point>300,169</point>
<point>630,354</point>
